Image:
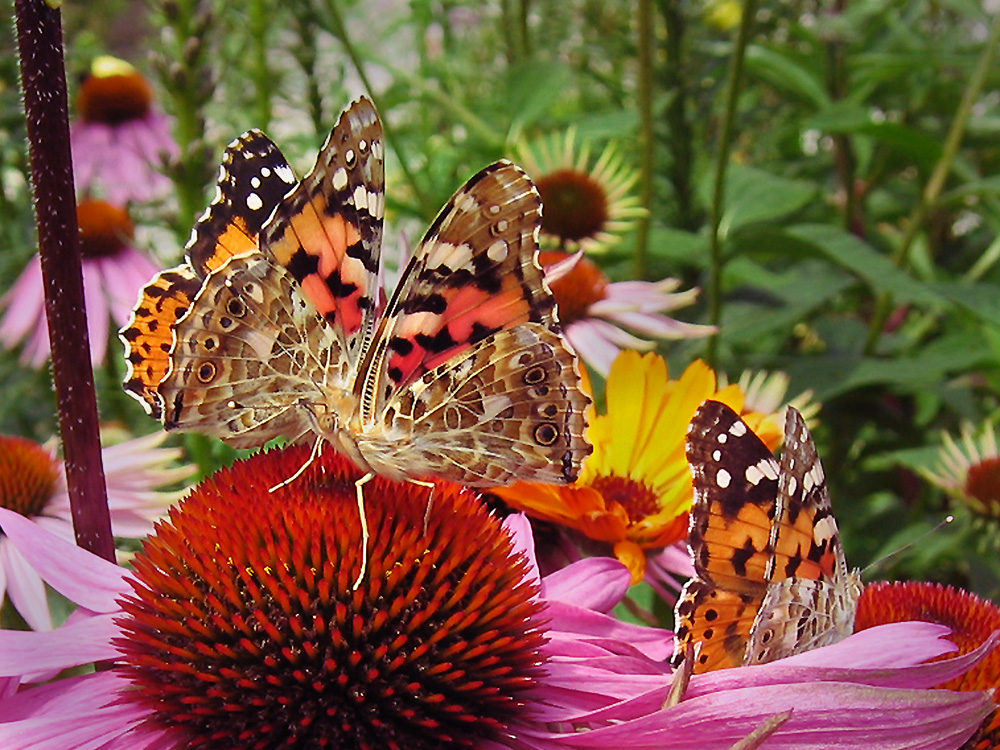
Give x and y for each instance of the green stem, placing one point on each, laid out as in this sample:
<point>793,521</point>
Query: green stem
<point>46,110</point>
<point>717,260</point>
<point>681,142</point>
<point>339,30</point>
<point>645,95</point>
<point>935,184</point>
<point>261,74</point>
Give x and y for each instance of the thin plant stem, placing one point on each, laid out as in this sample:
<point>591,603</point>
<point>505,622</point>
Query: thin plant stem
<point>339,30</point>
<point>681,143</point>
<point>261,16</point>
<point>645,96</point>
<point>46,107</point>
<point>935,184</point>
<point>733,86</point>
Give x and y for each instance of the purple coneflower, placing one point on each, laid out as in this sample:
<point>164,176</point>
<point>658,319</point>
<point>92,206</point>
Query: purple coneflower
<point>113,273</point>
<point>239,627</point>
<point>33,484</point>
<point>598,315</point>
<point>120,141</point>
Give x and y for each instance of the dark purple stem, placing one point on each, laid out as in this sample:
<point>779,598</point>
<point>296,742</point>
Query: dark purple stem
<point>43,80</point>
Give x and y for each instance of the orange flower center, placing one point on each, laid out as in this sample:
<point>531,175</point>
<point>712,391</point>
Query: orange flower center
<point>983,484</point>
<point>27,475</point>
<point>581,287</point>
<point>574,205</point>
<point>105,229</point>
<point>114,99</point>
<point>638,500</point>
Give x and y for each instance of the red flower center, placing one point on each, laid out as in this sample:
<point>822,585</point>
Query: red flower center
<point>576,291</point>
<point>27,475</point>
<point>244,630</point>
<point>638,500</point>
<point>114,99</point>
<point>983,483</point>
<point>574,205</point>
<point>105,229</point>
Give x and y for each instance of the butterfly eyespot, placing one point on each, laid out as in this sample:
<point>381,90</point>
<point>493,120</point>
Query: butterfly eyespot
<point>225,321</point>
<point>209,343</point>
<point>535,375</point>
<point>236,308</point>
<point>350,158</point>
<point>207,372</point>
<point>548,411</point>
<point>546,433</point>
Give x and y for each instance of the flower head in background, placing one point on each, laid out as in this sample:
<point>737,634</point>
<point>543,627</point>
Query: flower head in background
<point>766,392</point>
<point>113,273</point>
<point>33,484</point>
<point>971,620</point>
<point>120,140</point>
<point>584,207</point>
<point>970,472</point>
<point>240,627</point>
<point>597,313</point>
<point>635,489</point>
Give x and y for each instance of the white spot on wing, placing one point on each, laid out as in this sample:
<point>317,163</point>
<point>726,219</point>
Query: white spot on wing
<point>722,478</point>
<point>254,203</point>
<point>497,252</point>
<point>739,429</point>
<point>339,179</point>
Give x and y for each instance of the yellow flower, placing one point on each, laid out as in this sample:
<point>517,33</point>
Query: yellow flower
<point>635,489</point>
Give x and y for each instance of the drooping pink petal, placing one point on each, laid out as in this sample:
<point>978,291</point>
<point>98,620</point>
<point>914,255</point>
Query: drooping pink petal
<point>85,641</point>
<point>25,588</point>
<point>75,573</point>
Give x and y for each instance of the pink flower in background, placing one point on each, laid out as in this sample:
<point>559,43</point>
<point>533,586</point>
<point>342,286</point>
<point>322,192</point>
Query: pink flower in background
<point>120,141</point>
<point>113,273</point>
<point>33,484</point>
<point>599,315</point>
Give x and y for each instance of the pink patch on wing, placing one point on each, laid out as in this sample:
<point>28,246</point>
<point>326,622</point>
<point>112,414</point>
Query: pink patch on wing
<point>466,307</point>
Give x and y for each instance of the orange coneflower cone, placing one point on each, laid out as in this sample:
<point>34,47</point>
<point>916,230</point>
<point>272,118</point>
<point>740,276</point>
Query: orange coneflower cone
<point>971,619</point>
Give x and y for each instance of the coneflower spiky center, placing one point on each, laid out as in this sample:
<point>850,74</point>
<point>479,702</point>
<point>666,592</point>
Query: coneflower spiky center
<point>244,631</point>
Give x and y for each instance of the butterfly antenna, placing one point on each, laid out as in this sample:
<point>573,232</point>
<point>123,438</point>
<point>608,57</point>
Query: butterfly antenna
<point>364,527</point>
<point>937,527</point>
<point>313,455</point>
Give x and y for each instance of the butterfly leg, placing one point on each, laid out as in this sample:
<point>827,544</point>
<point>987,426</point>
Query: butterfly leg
<point>364,526</point>
<point>313,455</point>
<point>430,500</point>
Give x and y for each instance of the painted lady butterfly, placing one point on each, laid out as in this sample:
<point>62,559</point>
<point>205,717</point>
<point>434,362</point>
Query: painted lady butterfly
<point>770,575</point>
<point>274,326</point>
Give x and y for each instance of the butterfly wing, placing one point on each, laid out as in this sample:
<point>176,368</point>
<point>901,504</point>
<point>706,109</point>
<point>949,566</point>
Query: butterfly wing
<point>467,375</point>
<point>813,598</point>
<point>252,180</point>
<point>735,503</point>
<point>249,355</point>
<point>328,232</point>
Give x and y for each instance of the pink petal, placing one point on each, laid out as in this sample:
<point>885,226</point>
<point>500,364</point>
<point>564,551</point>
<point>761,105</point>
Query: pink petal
<point>596,583</point>
<point>82,577</point>
<point>25,588</point>
<point>86,641</point>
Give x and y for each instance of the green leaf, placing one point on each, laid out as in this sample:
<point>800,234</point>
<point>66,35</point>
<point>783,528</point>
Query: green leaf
<point>754,195</point>
<point>851,253</point>
<point>785,74</point>
<point>531,90</point>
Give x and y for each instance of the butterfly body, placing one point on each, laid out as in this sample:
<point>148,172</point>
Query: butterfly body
<point>275,326</point>
<point>770,578</point>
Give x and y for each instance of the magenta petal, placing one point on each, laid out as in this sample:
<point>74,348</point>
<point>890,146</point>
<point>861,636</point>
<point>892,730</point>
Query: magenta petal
<point>82,577</point>
<point>88,640</point>
<point>81,713</point>
<point>596,583</point>
<point>25,588</point>
<point>832,715</point>
<point>588,625</point>
<point>891,645</point>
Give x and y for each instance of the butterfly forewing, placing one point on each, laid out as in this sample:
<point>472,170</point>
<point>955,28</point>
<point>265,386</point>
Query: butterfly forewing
<point>328,232</point>
<point>253,179</point>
